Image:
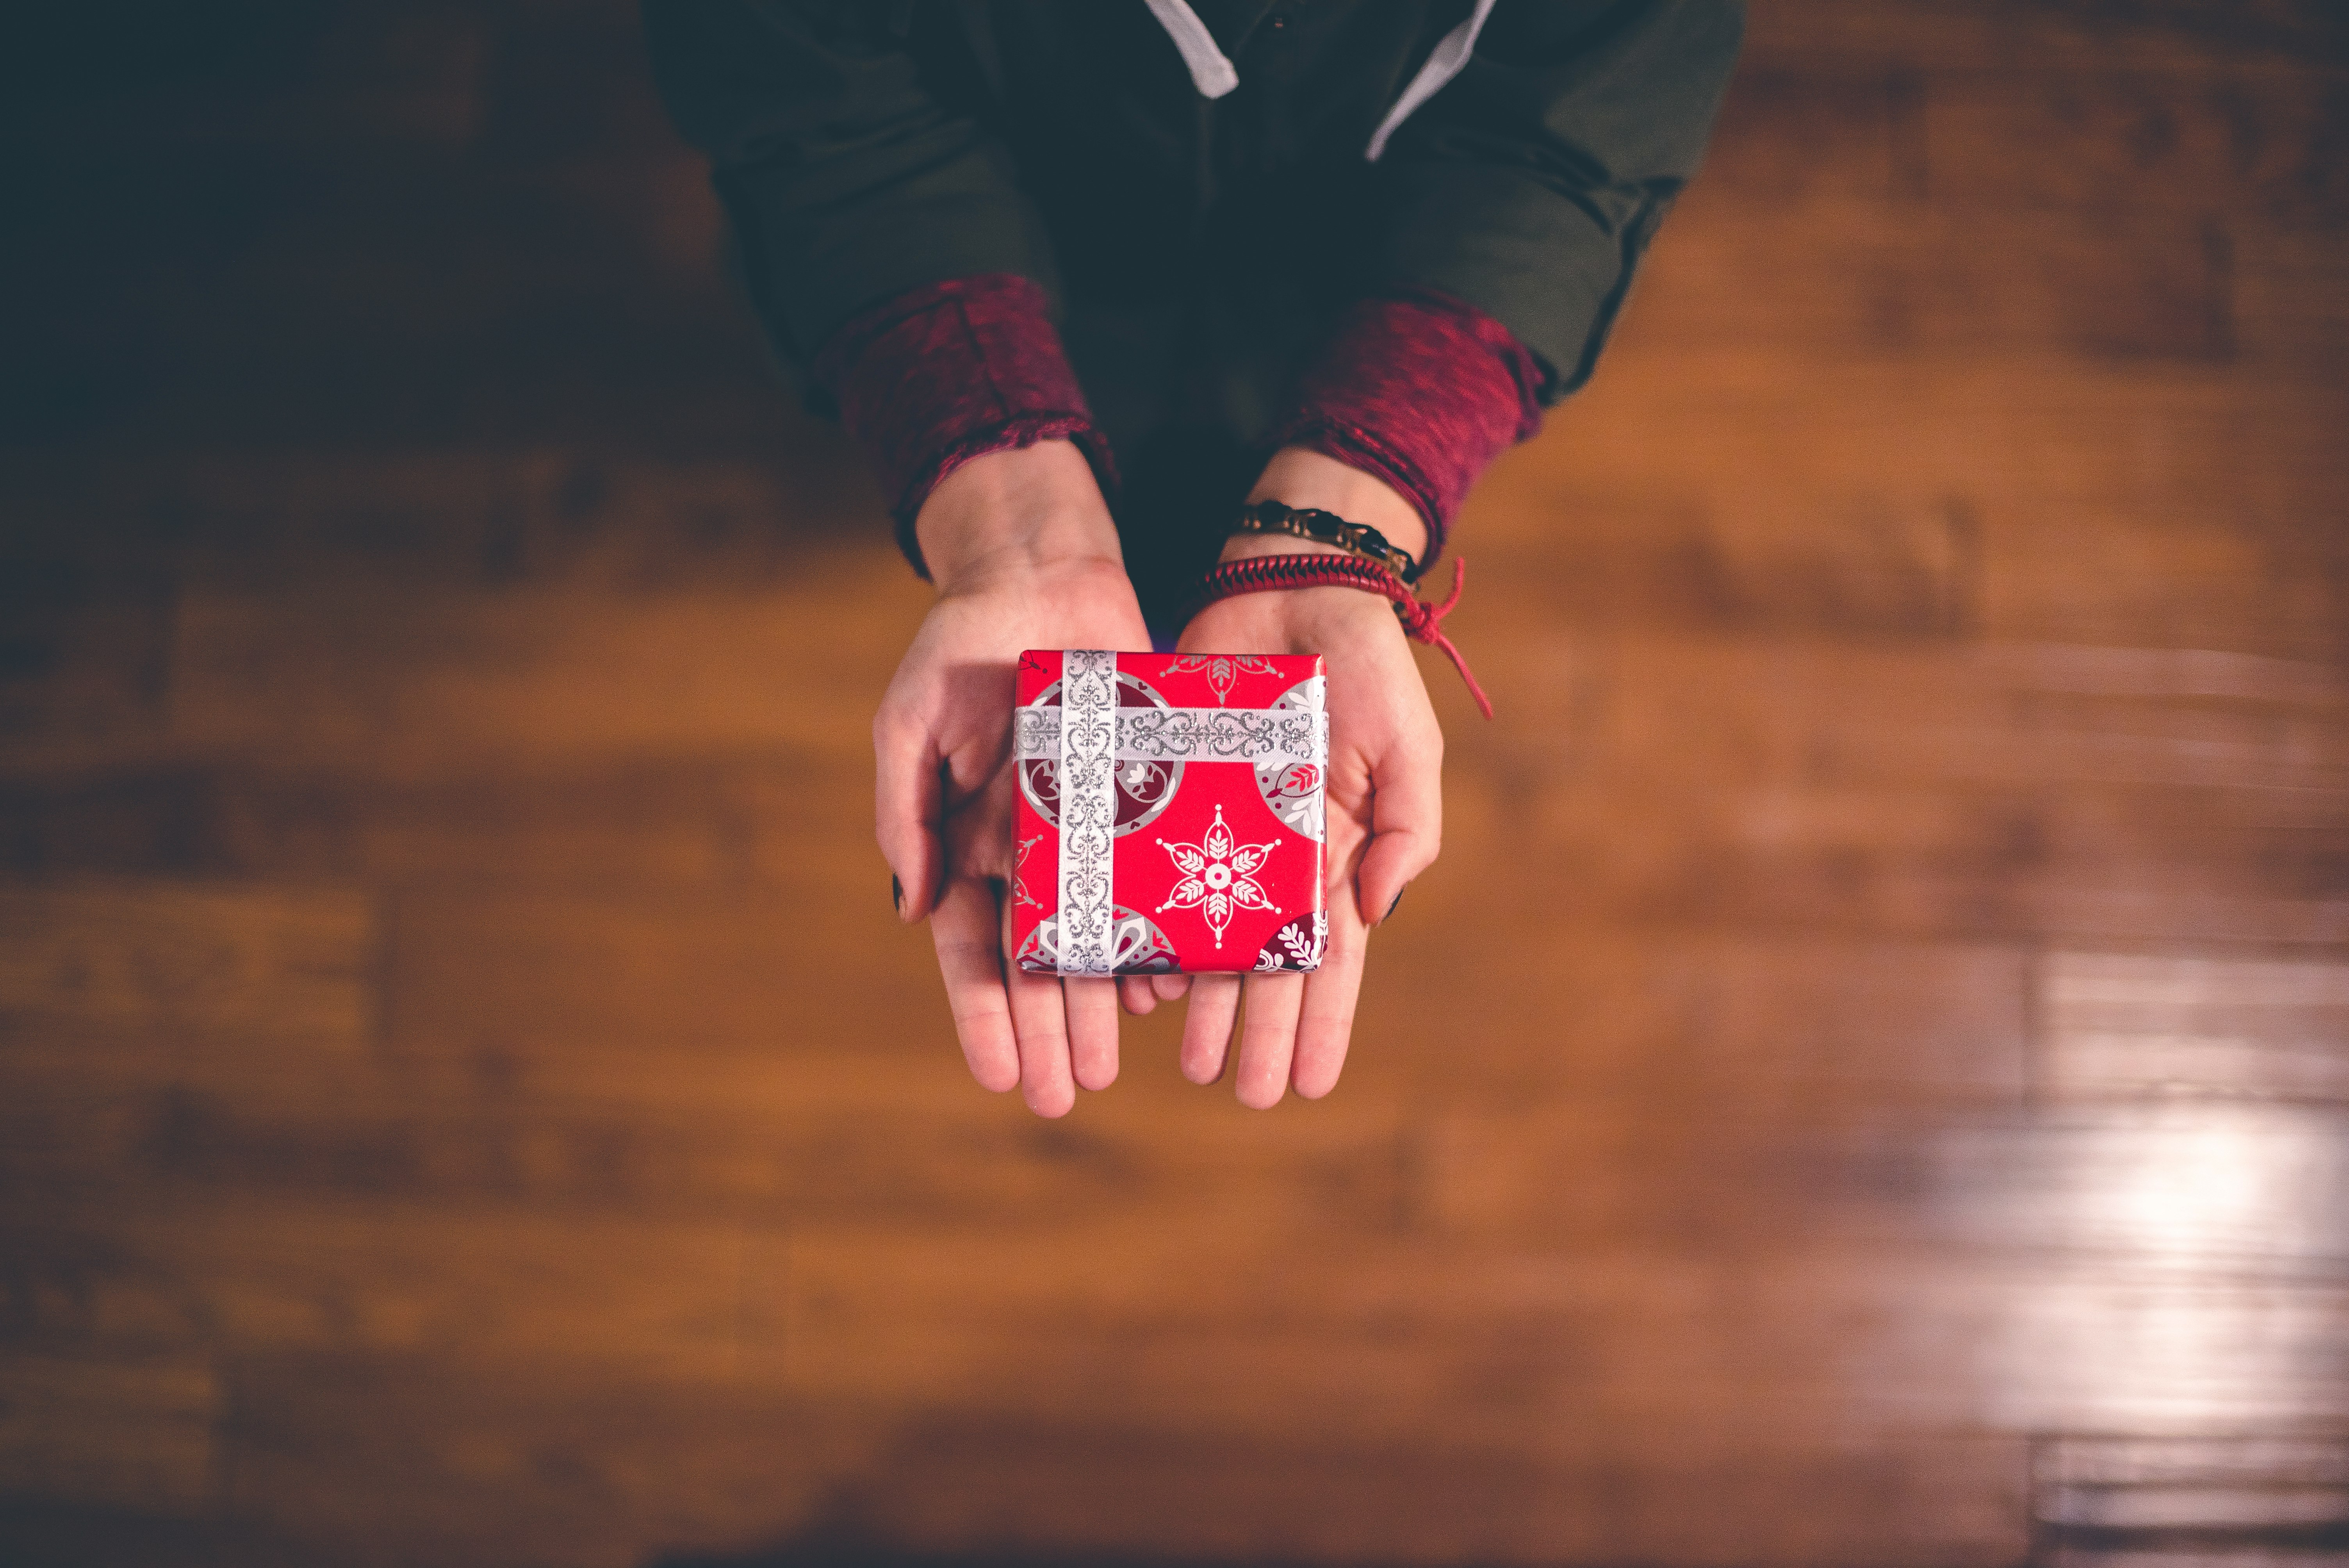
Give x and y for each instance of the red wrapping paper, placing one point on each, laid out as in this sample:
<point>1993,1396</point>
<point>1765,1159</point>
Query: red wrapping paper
<point>1171,814</point>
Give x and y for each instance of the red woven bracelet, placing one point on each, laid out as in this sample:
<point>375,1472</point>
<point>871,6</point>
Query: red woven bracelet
<point>1421,620</point>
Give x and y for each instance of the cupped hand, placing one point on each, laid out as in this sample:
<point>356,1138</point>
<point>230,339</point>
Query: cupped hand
<point>1025,556</point>
<point>1384,789</point>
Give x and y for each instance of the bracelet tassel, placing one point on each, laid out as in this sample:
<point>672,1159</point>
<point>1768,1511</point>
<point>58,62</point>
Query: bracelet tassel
<point>1422,621</point>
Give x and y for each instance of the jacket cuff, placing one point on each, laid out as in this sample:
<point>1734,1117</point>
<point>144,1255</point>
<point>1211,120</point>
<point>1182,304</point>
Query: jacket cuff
<point>950,371</point>
<point>1422,391</point>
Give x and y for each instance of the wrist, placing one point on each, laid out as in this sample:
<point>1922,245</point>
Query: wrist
<point>1244,546</point>
<point>1027,512</point>
<point>1300,477</point>
<point>1324,600</point>
<point>1309,598</point>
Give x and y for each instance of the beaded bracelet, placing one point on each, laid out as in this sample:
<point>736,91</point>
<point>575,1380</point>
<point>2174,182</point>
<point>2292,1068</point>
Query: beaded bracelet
<point>1328,528</point>
<point>1421,620</point>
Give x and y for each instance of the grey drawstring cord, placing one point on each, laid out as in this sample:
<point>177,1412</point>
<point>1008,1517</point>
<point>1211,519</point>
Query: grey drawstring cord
<point>1447,60</point>
<point>1211,72</point>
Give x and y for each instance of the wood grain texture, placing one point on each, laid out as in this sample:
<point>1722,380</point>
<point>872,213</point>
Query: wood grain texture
<point>2250,1188</point>
<point>86,651</point>
<point>537,671</point>
<point>2208,1484</point>
<point>1045,1491</point>
<point>292,961</point>
<point>2191,140</point>
<point>1469,1345</point>
<point>1864,1085</point>
<point>139,1432</point>
<point>528,1465</point>
<point>2136,1024</point>
<point>1889,279</point>
<point>2281,39</point>
<point>305,1275</point>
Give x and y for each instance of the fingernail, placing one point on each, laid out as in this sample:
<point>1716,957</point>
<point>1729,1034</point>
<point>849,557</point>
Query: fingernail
<point>1390,908</point>
<point>897,897</point>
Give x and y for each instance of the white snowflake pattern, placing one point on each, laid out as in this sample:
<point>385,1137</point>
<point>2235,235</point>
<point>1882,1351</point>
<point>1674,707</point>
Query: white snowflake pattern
<point>1219,875</point>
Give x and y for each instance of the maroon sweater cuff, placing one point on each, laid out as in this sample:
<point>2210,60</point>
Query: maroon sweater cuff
<point>1423,391</point>
<point>947,372</point>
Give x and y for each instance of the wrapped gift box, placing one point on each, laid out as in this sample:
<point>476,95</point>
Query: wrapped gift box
<point>1170,817</point>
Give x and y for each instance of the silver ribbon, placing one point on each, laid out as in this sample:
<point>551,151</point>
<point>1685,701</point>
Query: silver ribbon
<point>1265,736</point>
<point>1087,752</point>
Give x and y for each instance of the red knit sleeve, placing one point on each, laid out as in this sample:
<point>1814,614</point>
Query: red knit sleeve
<point>1422,390</point>
<point>942,374</point>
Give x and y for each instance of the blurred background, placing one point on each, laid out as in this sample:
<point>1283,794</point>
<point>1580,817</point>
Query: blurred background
<point>1867,1083</point>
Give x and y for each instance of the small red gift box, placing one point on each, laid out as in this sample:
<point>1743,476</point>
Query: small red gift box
<point>1170,816</point>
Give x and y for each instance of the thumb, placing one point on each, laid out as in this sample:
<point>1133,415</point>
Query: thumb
<point>908,798</point>
<point>1406,825</point>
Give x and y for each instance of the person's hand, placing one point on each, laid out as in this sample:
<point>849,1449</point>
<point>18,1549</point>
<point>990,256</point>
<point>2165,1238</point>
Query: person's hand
<point>1384,804</point>
<point>1024,555</point>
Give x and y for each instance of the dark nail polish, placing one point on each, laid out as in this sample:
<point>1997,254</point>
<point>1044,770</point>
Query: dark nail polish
<point>1390,908</point>
<point>897,897</point>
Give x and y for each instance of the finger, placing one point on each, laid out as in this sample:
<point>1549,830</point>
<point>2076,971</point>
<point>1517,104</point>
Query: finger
<point>1092,1010</point>
<point>1267,1039</point>
<point>1325,1025</point>
<point>1170,988</point>
<point>1135,996</point>
<point>1208,1026</point>
<point>965,930</point>
<point>1406,822</point>
<point>1041,1021</point>
<point>908,799</point>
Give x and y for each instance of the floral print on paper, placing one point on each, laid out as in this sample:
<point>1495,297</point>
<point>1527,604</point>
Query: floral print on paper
<point>1222,669</point>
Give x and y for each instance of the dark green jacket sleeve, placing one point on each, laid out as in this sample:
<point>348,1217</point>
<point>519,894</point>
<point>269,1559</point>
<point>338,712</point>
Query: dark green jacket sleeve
<point>1531,184</point>
<point>847,181</point>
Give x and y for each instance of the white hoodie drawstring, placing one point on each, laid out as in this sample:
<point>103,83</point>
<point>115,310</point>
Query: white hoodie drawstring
<point>1447,60</point>
<point>1211,70</point>
<point>1213,74</point>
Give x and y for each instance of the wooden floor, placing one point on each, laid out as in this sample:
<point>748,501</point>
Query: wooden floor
<point>1868,1083</point>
